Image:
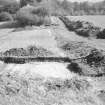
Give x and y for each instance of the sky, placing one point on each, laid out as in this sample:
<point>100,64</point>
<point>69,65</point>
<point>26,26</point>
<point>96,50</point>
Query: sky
<point>85,0</point>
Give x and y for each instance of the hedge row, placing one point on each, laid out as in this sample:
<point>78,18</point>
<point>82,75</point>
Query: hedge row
<point>85,29</point>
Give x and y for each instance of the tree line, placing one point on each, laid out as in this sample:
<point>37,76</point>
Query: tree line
<point>65,7</point>
<point>78,8</point>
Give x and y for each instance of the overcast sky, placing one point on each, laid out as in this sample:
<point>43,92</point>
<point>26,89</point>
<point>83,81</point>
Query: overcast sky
<point>85,0</point>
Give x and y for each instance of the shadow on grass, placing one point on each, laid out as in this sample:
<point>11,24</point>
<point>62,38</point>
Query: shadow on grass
<point>16,26</point>
<point>9,24</point>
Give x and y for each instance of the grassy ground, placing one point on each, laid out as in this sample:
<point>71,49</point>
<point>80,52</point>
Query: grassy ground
<point>49,83</point>
<point>21,84</point>
<point>25,88</point>
<point>96,20</point>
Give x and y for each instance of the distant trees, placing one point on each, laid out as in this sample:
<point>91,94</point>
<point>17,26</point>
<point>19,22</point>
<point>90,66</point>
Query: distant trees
<point>83,8</point>
<point>30,15</point>
<point>25,2</point>
<point>58,8</point>
<point>11,8</point>
<point>36,13</point>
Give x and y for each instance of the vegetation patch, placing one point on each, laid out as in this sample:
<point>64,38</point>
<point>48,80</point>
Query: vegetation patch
<point>101,35</point>
<point>85,29</point>
<point>95,58</point>
<point>32,51</point>
<point>35,90</point>
<point>30,15</point>
<point>89,61</point>
<point>5,16</point>
<point>74,67</point>
<point>74,83</point>
<point>77,49</point>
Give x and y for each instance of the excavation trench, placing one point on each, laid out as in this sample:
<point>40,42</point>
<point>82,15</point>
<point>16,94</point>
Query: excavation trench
<point>75,69</point>
<point>23,60</point>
